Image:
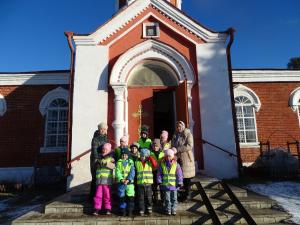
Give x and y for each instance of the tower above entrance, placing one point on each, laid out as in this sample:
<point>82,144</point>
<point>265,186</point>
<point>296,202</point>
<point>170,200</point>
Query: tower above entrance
<point>122,3</point>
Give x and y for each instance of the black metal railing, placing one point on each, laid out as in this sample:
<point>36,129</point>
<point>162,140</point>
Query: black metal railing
<point>219,148</point>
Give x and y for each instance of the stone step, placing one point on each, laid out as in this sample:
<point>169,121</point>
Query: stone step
<point>216,192</point>
<point>182,218</point>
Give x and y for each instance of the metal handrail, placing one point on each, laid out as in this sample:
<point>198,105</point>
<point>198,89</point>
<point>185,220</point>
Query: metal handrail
<point>219,148</point>
<point>208,205</point>
<point>77,158</point>
<point>238,204</point>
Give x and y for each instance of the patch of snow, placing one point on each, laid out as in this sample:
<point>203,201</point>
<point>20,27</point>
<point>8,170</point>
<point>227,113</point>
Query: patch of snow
<point>4,205</point>
<point>287,194</point>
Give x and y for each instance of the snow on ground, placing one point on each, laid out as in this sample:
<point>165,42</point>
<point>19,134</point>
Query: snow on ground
<point>3,205</point>
<point>287,194</point>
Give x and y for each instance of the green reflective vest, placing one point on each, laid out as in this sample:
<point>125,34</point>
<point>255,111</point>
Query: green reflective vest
<point>169,177</point>
<point>146,144</point>
<point>158,159</point>
<point>144,174</point>
<point>103,173</point>
<point>122,172</point>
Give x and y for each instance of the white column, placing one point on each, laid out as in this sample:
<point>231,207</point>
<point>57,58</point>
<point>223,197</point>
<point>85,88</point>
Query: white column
<point>190,98</point>
<point>119,122</point>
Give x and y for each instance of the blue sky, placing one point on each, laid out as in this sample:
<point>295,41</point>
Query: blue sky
<point>32,31</point>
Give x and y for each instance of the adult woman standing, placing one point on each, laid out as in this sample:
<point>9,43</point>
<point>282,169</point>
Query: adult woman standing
<point>183,141</point>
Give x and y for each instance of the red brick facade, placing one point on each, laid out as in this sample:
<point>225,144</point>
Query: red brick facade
<point>22,126</point>
<point>276,121</point>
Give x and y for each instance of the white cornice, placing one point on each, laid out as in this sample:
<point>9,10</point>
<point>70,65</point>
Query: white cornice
<point>135,9</point>
<point>244,76</point>
<point>34,78</point>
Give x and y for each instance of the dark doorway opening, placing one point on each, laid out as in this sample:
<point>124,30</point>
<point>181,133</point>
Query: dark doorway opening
<point>164,112</point>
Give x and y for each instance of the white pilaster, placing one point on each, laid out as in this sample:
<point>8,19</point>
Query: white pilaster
<point>216,112</point>
<point>90,100</point>
<point>119,122</point>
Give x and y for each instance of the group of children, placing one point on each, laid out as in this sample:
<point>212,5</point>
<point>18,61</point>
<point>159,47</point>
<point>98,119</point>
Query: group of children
<point>138,171</point>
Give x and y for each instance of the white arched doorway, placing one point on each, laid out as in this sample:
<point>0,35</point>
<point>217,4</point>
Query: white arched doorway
<point>144,56</point>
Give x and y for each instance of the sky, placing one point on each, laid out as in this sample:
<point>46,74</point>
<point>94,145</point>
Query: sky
<point>32,31</point>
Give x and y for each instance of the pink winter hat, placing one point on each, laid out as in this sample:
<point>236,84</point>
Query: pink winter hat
<point>164,135</point>
<point>124,139</point>
<point>169,152</point>
<point>107,146</point>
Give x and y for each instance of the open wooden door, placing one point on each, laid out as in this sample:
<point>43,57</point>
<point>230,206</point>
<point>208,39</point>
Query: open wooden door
<point>182,103</point>
<point>140,111</point>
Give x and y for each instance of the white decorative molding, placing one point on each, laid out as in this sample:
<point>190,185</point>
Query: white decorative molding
<point>245,76</point>
<point>294,100</point>
<point>38,78</point>
<point>150,14</point>
<point>250,145</point>
<point>151,49</point>
<point>135,9</point>
<point>3,106</point>
<point>52,95</point>
<point>241,90</point>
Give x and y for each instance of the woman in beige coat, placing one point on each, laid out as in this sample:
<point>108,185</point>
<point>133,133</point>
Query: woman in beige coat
<point>183,141</point>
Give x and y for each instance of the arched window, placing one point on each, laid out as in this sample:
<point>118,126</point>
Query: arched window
<point>2,105</point>
<point>246,103</point>
<point>54,107</point>
<point>152,73</point>
<point>57,125</point>
<point>294,102</point>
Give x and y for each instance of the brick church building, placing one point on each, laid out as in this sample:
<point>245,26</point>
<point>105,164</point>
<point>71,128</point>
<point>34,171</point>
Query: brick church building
<point>149,64</point>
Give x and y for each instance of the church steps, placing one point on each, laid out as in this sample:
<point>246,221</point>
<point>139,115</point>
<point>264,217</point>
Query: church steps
<point>228,217</point>
<point>73,208</point>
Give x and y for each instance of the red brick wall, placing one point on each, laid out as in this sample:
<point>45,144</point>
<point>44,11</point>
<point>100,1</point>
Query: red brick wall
<point>22,126</point>
<point>276,121</point>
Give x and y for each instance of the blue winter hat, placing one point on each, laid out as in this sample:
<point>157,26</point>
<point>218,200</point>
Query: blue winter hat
<point>125,151</point>
<point>145,152</point>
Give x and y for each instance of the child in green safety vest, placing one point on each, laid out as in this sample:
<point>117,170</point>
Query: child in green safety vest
<point>144,141</point>
<point>104,179</point>
<point>158,155</point>
<point>125,173</point>
<point>144,167</point>
<point>169,176</point>
<point>134,151</point>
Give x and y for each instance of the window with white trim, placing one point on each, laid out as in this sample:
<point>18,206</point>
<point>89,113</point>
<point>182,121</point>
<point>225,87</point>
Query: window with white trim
<point>56,127</point>
<point>2,105</point>
<point>246,120</point>
<point>294,102</point>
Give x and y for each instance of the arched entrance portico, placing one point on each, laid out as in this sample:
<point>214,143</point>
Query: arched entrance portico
<point>155,53</point>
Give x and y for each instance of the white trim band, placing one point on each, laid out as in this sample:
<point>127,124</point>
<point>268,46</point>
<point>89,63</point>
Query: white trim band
<point>34,78</point>
<point>244,76</point>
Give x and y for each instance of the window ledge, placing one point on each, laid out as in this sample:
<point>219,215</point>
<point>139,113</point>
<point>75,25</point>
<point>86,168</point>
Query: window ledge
<point>52,149</point>
<point>250,145</point>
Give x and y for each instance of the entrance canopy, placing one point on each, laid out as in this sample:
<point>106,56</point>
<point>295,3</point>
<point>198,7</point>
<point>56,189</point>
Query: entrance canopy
<point>151,63</point>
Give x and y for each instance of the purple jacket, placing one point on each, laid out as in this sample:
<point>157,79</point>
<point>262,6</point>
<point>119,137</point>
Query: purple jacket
<point>179,176</point>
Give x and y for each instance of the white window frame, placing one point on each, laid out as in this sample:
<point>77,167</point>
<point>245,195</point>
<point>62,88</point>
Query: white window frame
<point>3,106</point>
<point>156,25</point>
<point>58,93</point>
<point>294,102</point>
<point>241,90</point>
